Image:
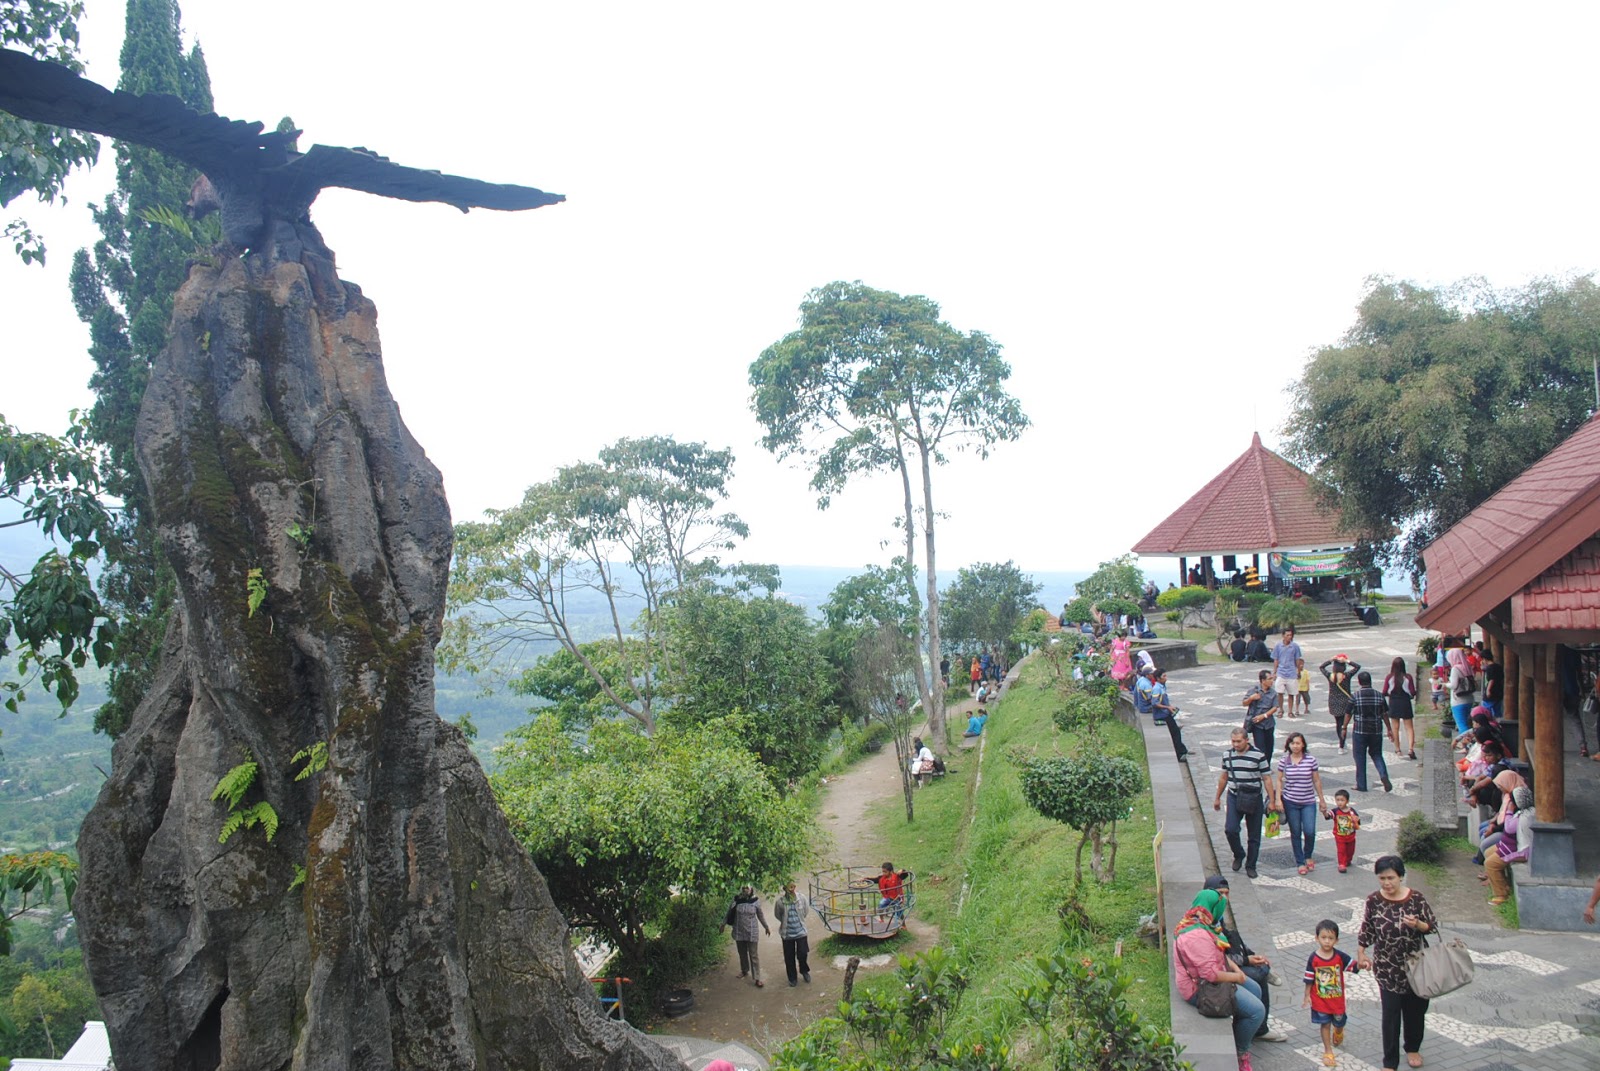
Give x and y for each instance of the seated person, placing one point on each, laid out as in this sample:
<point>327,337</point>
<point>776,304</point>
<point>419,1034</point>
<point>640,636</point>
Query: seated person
<point>1519,824</point>
<point>976,723</point>
<point>1236,650</point>
<point>891,885</point>
<point>1256,651</point>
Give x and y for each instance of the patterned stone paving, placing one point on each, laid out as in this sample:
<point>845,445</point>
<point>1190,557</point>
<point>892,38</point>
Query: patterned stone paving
<point>1535,1002</point>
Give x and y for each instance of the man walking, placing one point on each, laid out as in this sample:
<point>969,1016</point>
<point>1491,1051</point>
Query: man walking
<point>1247,777</point>
<point>791,911</point>
<point>1289,660</point>
<point>1368,720</point>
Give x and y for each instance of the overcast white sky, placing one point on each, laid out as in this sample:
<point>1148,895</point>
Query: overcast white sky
<point>1159,210</point>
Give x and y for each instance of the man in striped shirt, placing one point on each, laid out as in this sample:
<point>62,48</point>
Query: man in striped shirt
<point>1247,777</point>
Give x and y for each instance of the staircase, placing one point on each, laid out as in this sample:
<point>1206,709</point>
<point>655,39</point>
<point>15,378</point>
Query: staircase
<point>1333,616</point>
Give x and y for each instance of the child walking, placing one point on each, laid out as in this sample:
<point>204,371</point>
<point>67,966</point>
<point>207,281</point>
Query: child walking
<point>1303,684</point>
<point>1346,820</point>
<point>1325,970</point>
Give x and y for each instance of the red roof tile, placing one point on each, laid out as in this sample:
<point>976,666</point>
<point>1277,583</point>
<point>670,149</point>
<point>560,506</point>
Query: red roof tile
<point>1539,521</point>
<point>1259,502</point>
<point>1563,597</point>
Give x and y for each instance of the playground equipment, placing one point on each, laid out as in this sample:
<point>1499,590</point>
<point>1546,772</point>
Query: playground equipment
<point>849,902</point>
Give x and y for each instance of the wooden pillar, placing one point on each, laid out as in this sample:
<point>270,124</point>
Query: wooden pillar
<point>1530,713</point>
<point>1183,572</point>
<point>1512,663</point>
<point>1549,773</point>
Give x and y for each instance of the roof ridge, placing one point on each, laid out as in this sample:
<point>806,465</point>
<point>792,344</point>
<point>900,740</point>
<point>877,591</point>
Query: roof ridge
<point>1257,449</point>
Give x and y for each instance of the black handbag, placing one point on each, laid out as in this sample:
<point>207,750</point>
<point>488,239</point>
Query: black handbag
<point>1214,1000</point>
<point>1249,802</point>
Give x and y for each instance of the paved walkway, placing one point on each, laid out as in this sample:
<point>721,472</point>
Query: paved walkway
<point>1535,1003</point>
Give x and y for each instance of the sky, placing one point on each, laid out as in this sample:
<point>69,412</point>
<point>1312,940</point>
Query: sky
<point>1160,211</point>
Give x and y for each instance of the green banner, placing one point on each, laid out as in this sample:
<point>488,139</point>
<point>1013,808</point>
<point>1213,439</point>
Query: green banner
<point>1293,565</point>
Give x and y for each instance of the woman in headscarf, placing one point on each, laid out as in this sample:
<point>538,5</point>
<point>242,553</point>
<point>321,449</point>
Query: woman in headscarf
<point>1463,688</point>
<point>1197,948</point>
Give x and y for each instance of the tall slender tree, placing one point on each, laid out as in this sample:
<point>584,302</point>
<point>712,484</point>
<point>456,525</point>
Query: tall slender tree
<point>123,290</point>
<point>896,388</point>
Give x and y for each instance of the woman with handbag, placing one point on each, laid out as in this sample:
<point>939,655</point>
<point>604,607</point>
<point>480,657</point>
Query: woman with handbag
<point>1392,930</point>
<point>1340,673</point>
<point>1198,950</point>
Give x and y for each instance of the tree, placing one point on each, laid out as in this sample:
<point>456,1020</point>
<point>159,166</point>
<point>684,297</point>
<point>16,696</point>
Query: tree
<point>1435,399</point>
<point>1088,792</point>
<point>1187,601</point>
<point>894,386</point>
<point>34,157</point>
<point>626,533</point>
<point>27,881</point>
<point>881,679</point>
<point>618,823</point>
<point>1286,612</point>
<point>123,291</point>
<point>758,658</point>
<point>855,608</point>
<point>34,1000</point>
<point>1119,578</point>
<point>986,604</point>
<point>53,610</point>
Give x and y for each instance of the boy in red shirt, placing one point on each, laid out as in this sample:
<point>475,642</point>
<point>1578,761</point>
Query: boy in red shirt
<point>1325,970</point>
<point>1346,820</point>
<point>889,892</point>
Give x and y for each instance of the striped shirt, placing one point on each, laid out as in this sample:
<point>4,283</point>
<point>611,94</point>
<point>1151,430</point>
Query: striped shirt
<point>1246,768</point>
<point>1297,786</point>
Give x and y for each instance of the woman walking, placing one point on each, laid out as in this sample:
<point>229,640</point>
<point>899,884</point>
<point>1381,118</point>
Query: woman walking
<point>1340,672</point>
<point>1122,660</point>
<point>1395,920</point>
<point>1301,792</point>
<point>1400,689</point>
<point>1197,947</point>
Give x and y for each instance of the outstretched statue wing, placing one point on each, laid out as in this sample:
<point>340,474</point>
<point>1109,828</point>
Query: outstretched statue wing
<point>231,152</point>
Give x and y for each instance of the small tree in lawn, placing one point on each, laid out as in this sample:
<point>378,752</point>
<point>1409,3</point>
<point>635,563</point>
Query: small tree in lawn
<point>1226,617</point>
<point>1113,606</point>
<point>1088,792</point>
<point>1188,602</point>
<point>882,683</point>
<point>1286,612</point>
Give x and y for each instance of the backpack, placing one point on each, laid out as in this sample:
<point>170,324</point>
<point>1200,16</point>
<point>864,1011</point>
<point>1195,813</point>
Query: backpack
<point>1466,684</point>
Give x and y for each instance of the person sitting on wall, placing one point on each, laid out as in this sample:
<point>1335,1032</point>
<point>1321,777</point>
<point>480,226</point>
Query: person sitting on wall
<point>976,723</point>
<point>1256,651</point>
<point>1238,648</point>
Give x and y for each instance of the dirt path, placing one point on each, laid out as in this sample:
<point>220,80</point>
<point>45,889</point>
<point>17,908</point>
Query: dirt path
<point>730,1008</point>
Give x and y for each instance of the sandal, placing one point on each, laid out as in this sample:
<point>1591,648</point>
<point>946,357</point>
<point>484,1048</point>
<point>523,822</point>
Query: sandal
<point>1414,1059</point>
<point>1311,864</point>
<point>1496,901</point>
<point>1304,868</point>
<point>1330,1060</point>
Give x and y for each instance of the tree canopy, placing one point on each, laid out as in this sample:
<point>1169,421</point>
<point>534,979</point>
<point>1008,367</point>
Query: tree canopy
<point>760,659</point>
<point>987,603</point>
<point>619,822</point>
<point>1436,398</point>
<point>874,381</point>
<point>35,158</point>
<point>626,531</point>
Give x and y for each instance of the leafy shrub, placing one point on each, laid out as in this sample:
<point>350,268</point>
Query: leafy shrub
<point>1078,1006</point>
<point>1082,710</point>
<point>1428,647</point>
<point>1418,839</point>
<point>905,1028</point>
<point>876,734</point>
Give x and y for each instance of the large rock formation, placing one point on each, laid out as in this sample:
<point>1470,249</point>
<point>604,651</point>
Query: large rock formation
<point>420,936</point>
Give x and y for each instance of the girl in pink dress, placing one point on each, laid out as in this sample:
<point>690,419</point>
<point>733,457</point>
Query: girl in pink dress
<point>1121,659</point>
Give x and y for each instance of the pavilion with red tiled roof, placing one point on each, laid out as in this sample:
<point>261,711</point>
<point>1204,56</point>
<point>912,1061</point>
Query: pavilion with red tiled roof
<point>1259,504</point>
<point>1525,568</point>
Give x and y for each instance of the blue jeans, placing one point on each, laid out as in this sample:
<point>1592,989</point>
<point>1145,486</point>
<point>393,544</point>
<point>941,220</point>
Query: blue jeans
<point>1494,707</point>
<point>1369,744</point>
<point>1248,1012</point>
<point>1302,819</point>
<point>1462,712</point>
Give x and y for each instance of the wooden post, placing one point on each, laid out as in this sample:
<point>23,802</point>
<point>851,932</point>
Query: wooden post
<point>1183,572</point>
<point>1549,774</point>
<point>1513,686</point>
<point>1530,711</point>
